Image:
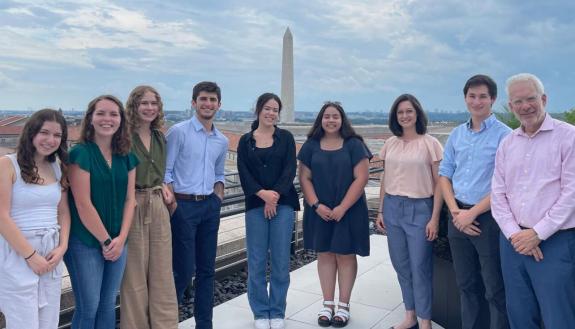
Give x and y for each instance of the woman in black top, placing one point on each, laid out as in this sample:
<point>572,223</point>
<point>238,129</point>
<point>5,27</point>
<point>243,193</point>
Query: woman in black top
<point>267,167</point>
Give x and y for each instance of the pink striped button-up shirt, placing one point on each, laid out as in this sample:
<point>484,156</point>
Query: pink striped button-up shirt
<point>533,184</point>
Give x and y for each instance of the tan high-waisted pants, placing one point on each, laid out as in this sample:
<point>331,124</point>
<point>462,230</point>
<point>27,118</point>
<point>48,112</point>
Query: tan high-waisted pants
<point>148,295</point>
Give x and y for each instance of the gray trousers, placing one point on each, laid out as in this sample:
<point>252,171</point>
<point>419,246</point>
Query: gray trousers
<point>476,260</point>
<point>411,254</point>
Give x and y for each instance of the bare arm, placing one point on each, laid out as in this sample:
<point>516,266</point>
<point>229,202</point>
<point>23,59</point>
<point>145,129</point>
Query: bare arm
<point>219,190</point>
<point>80,186</point>
<point>8,228</point>
<point>432,227</point>
<point>448,195</point>
<point>55,256</point>
<point>379,224</point>
<point>310,197</point>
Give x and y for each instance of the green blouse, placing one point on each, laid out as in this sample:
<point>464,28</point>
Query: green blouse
<point>108,188</point>
<point>150,171</point>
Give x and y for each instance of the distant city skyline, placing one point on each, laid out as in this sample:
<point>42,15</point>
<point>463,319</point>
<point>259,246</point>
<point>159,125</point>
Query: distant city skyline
<point>63,53</point>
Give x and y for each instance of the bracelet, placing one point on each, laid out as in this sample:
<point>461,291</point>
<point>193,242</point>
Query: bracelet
<point>32,254</point>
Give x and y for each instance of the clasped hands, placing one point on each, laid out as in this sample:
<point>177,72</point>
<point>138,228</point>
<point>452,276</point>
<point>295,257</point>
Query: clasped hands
<point>114,250</point>
<point>328,214</point>
<point>464,221</point>
<point>526,242</point>
<point>271,199</point>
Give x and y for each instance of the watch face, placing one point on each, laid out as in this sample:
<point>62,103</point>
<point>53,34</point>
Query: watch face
<point>107,242</point>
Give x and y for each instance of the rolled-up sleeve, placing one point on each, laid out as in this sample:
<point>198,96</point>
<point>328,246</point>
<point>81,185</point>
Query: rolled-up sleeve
<point>447,165</point>
<point>221,164</point>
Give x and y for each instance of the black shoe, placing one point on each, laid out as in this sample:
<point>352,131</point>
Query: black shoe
<point>416,326</point>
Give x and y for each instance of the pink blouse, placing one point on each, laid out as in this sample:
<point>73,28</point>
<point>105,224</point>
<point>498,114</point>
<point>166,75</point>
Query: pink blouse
<point>408,165</point>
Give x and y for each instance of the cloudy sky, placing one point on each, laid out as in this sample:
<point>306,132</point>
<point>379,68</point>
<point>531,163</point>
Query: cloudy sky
<point>364,53</point>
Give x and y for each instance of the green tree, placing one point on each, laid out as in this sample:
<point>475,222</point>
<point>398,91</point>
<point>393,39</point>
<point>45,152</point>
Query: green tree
<point>570,116</point>
<point>508,118</point>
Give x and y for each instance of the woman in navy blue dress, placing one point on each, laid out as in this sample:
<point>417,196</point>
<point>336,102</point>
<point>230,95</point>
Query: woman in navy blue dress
<point>334,169</point>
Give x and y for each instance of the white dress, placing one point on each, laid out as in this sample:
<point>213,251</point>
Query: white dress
<point>26,299</point>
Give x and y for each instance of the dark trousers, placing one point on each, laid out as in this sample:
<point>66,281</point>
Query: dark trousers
<point>195,227</point>
<point>542,290</point>
<point>477,264</point>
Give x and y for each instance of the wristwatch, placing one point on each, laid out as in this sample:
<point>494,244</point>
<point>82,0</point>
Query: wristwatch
<point>315,205</point>
<point>107,242</point>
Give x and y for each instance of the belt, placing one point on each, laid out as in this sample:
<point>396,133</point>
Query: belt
<point>191,197</point>
<point>462,205</point>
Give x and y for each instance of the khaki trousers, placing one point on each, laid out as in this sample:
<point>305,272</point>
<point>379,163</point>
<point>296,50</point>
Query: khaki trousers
<point>148,295</point>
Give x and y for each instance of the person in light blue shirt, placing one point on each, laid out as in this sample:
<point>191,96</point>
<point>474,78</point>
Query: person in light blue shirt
<point>465,178</point>
<point>196,154</point>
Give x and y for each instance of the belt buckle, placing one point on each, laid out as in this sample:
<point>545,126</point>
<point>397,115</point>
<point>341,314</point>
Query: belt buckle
<point>199,197</point>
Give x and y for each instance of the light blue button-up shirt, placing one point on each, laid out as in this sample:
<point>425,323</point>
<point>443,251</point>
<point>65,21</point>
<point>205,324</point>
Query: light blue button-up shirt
<point>196,158</point>
<point>469,158</point>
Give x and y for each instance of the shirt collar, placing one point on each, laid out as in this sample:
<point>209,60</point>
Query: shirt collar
<point>486,124</point>
<point>548,124</point>
<point>197,125</point>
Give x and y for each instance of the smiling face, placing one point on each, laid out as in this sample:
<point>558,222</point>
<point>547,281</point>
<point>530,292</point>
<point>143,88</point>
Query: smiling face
<point>406,115</point>
<point>148,108</point>
<point>48,138</point>
<point>106,118</point>
<point>207,105</point>
<point>528,105</point>
<point>479,101</point>
<point>331,121</point>
<point>270,113</point>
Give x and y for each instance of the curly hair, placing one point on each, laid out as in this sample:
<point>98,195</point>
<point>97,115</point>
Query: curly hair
<point>133,103</point>
<point>121,141</point>
<point>346,130</point>
<point>25,150</point>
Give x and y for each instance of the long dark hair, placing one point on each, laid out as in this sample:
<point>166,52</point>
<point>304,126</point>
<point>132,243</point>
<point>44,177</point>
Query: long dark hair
<point>346,131</point>
<point>420,122</point>
<point>262,100</point>
<point>133,103</point>
<point>121,141</point>
<point>26,150</point>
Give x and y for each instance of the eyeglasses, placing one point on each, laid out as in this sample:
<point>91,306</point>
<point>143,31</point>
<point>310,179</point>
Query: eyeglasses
<point>527,100</point>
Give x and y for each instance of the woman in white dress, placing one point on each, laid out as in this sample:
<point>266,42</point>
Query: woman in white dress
<point>34,223</point>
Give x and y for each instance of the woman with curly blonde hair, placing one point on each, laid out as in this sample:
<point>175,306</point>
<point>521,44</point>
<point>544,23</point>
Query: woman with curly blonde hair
<point>148,293</point>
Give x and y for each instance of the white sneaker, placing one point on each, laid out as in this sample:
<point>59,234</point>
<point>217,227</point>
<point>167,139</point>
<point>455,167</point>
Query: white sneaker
<point>262,324</point>
<point>277,324</point>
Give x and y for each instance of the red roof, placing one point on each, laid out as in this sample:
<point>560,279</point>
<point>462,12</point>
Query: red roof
<point>12,120</point>
<point>11,130</point>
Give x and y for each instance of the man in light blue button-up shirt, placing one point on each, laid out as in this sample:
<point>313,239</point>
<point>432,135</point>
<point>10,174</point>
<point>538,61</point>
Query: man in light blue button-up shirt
<point>465,177</point>
<point>195,171</point>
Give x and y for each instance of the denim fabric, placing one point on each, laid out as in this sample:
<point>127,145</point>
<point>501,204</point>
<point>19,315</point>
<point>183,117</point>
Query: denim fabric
<point>542,290</point>
<point>195,227</point>
<point>269,239</point>
<point>95,282</point>
<point>410,252</point>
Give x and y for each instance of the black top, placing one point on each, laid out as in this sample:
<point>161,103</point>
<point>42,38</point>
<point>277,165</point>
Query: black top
<point>276,171</point>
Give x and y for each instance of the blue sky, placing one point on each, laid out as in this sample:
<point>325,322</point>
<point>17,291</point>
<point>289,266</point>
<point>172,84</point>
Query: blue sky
<point>62,53</point>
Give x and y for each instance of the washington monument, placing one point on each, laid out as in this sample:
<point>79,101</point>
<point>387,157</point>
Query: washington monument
<point>287,95</point>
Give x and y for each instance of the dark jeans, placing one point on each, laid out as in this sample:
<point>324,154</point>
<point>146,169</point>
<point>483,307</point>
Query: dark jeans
<point>477,263</point>
<point>195,227</point>
<point>542,290</point>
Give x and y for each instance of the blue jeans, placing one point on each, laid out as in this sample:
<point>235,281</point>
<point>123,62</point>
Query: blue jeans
<point>273,235</point>
<point>195,226</point>
<point>542,290</point>
<point>95,282</point>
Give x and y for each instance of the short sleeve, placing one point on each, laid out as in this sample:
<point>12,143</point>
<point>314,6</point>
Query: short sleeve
<point>80,155</point>
<point>434,148</point>
<point>358,150</point>
<point>384,148</point>
<point>305,153</point>
<point>132,161</point>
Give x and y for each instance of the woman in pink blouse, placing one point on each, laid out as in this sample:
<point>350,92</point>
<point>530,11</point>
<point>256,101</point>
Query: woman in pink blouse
<point>410,203</point>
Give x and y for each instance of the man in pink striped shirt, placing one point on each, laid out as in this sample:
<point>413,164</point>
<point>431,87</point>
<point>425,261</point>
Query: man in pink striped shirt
<point>533,202</point>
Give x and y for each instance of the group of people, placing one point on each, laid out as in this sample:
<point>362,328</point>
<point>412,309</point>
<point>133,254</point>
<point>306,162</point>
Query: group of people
<point>133,210</point>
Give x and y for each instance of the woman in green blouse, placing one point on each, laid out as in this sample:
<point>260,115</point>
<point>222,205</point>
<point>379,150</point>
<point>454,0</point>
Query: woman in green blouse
<point>102,179</point>
<point>148,294</point>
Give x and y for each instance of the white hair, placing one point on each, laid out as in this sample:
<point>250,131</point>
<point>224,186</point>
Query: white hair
<point>523,77</point>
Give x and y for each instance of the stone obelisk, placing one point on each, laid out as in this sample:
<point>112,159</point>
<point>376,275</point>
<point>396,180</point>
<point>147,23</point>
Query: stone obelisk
<point>287,95</point>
